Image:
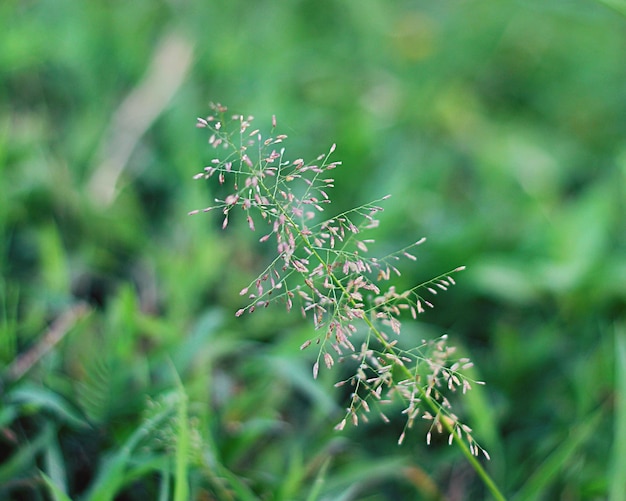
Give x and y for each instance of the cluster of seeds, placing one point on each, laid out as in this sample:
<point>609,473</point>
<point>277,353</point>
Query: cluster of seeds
<point>322,267</point>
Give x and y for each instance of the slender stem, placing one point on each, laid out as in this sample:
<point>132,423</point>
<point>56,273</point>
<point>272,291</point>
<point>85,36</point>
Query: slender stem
<point>473,460</point>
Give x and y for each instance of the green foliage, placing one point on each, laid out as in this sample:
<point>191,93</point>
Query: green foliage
<point>617,484</point>
<point>496,125</point>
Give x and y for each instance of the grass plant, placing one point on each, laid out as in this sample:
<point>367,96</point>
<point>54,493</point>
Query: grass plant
<point>323,269</point>
<point>118,343</point>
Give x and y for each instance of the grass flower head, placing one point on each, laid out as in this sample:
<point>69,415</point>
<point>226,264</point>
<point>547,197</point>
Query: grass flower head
<point>322,267</point>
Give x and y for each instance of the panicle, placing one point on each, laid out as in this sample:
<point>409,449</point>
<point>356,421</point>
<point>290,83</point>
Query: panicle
<point>323,267</point>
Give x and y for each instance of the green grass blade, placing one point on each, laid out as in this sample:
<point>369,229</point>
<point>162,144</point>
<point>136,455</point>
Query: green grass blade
<point>618,461</point>
<point>319,481</point>
<point>112,475</point>
<point>58,494</point>
<point>26,455</point>
<point>618,6</point>
<point>292,478</point>
<point>181,485</point>
<point>41,397</point>
<point>54,466</point>
<point>9,301</point>
<point>165,484</point>
<point>241,491</point>
<point>7,415</point>
<point>54,266</point>
<point>550,468</point>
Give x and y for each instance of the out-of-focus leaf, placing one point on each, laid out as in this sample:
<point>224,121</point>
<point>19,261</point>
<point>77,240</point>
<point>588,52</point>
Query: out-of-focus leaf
<point>22,463</point>
<point>112,474</point>
<point>55,472</point>
<point>617,481</point>
<point>58,494</point>
<point>40,398</point>
<point>617,5</point>
<point>548,471</point>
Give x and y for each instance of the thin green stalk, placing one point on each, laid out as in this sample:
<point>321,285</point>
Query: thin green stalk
<point>478,468</point>
<point>567,451</point>
<point>181,487</point>
<point>319,481</point>
<point>618,460</point>
<point>182,438</point>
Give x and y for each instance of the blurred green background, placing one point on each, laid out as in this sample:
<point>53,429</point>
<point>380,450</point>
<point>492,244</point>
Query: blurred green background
<point>499,128</point>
